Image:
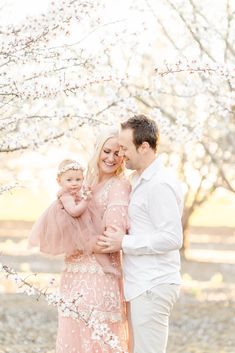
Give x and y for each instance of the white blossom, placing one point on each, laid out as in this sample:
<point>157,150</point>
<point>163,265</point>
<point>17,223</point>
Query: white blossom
<point>30,291</point>
<point>67,307</point>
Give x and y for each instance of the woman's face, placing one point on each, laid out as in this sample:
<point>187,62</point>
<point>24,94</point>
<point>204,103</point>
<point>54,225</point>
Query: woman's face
<point>109,160</point>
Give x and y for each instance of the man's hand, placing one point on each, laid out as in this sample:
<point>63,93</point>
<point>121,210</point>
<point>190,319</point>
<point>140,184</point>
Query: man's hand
<point>111,241</point>
<point>97,249</point>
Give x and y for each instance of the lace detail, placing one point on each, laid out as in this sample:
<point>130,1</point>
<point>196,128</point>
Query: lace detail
<point>91,292</point>
<point>102,196</point>
<point>101,316</point>
<point>90,266</point>
<point>117,203</point>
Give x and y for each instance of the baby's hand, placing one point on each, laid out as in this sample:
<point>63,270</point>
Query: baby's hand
<point>86,192</point>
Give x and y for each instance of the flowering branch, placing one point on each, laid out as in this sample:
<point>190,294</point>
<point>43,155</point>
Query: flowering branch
<point>100,331</point>
<point>8,187</point>
<point>196,67</point>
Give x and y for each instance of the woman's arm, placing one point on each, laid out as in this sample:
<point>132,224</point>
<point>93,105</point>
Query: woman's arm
<point>116,214</point>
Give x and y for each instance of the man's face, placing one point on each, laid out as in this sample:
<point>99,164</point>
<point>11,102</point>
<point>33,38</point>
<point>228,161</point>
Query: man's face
<point>128,149</point>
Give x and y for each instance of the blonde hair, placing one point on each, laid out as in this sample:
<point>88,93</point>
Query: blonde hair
<point>68,164</point>
<point>93,168</point>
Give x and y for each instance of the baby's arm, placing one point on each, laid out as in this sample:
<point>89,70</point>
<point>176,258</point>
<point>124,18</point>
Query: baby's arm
<point>73,208</point>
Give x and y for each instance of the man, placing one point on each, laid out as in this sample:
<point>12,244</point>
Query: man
<point>151,260</point>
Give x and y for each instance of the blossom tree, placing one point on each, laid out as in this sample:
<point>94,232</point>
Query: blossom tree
<point>76,65</point>
<point>53,71</point>
<point>193,99</point>
<point>73,65</point>
<point>55,75</point>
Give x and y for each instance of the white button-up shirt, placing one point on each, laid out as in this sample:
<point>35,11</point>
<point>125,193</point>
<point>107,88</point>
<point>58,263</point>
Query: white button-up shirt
<point>151,249</point>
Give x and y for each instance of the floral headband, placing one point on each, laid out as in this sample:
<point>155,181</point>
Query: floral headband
<point>70,166</point>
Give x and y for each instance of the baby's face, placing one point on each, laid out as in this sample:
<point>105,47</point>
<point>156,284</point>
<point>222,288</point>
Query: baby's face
<point>71,180</point>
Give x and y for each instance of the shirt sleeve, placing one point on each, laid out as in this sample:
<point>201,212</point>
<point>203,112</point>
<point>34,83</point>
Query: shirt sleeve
<point>73,208</point>
<point>117,207</point>
<point>165,215</point>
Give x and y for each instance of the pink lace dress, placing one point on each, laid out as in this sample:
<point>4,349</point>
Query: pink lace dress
<point>101,300</point>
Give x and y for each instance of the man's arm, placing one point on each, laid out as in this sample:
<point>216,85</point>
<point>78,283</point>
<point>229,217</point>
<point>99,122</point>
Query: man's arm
<point>165,215</point>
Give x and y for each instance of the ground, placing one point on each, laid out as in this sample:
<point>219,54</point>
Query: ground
<point>202,321</point>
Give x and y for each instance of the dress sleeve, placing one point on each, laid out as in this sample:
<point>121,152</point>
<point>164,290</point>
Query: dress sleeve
<point>116,214</point>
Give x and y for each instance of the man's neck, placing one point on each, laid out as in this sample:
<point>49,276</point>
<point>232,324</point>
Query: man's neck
<point>146,163</point>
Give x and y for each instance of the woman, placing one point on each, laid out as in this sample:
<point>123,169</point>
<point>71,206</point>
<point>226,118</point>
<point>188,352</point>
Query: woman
<point>102,299</point>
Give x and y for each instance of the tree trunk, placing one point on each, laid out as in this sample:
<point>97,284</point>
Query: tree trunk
<point>185,225</point>
<point>186,241</point>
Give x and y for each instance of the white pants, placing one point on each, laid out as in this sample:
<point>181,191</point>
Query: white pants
<point>149,318</point>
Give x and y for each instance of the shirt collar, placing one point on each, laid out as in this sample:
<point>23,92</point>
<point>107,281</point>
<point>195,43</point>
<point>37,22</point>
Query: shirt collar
<point>155,166</point>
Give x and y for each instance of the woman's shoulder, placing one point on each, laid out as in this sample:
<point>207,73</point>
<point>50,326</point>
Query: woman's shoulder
<point>119,190</point>
<point>121,182</point>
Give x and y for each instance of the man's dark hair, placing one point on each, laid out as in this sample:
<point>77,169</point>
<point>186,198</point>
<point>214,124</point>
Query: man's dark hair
<point>144,130</point>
